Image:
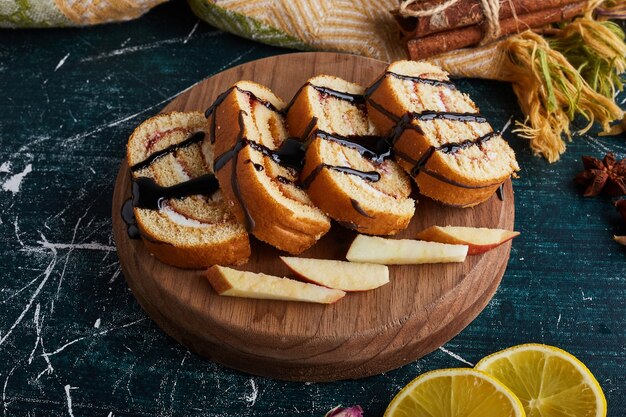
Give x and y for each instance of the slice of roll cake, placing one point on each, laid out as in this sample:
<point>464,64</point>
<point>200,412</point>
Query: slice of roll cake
<point>180,212</point>
<point>438,135</point>
<point>258,169</point>
<point>348,172</point>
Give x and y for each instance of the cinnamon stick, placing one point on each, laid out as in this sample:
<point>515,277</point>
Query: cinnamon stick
<point>467,13</point>
<point>421,48</point>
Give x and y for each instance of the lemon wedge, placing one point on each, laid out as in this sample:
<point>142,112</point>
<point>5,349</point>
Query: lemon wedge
<point>549,381</point>
<point>457,392</point>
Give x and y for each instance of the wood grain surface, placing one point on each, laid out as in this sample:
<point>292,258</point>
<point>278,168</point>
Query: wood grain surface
<point>365,333</point>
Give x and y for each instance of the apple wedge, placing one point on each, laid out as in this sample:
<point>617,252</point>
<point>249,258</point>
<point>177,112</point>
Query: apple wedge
<point>341,275</point>
<point>234,283</point>
<point>379,250</point>
<point>479,239</point>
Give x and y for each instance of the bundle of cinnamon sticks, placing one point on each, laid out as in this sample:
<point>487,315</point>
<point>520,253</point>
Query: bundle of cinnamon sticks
<point>463,24</point>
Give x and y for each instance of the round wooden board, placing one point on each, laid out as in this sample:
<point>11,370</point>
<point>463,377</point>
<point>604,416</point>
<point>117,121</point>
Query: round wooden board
<point>363,334</point>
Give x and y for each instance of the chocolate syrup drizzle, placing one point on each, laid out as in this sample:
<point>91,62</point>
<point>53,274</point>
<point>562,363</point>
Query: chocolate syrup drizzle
<point>436,83</point>
<point>352,98</point>
<point>258,167</point>
<point>147,194</point>
<point>233,154</point>
<point>447,148</point>
<point>193,139</point>
<point>252,97</point>
<point>356,99</point>
<point>406,122</point>
<point>372,176</point>
<point>357,207</point>
<point>373,147</point>
<point>290,154</point>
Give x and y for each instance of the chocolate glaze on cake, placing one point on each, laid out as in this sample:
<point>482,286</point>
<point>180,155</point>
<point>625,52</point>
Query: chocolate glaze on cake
<point>406,122</point>
<point>373,147</point>
<point>193,139</point>
<point>290,154</point>
<point>436,83</point>
<point>357,99</point>
<point>220,99</point>
<point>232,155</point>
<point>372,176</point>
<point>357,207</point>
<point>147,194</point>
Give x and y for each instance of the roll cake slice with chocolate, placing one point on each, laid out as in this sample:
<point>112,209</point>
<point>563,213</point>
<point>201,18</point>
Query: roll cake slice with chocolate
<point>258,167</point>
<point>348,169</point>
<point>438,135</point>
<point>179,211</point>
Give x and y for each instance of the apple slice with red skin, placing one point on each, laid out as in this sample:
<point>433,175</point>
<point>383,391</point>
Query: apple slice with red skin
<point>341,275</point>
<point>479,239</point>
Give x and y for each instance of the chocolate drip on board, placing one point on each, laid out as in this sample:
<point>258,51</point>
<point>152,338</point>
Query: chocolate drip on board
<point>193,139</point>
<point>372,176</point>
<point>128,216</point>
<point>500,192</point>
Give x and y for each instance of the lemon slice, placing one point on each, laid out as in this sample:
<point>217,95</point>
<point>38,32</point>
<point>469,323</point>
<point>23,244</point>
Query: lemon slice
<point>549,381</point>
<point>455,393</point>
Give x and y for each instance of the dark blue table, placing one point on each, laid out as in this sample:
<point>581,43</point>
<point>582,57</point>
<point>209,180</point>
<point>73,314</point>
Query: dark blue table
<point>73,340</point>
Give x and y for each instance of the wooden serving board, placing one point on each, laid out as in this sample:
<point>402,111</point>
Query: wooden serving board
<point>363,334</point>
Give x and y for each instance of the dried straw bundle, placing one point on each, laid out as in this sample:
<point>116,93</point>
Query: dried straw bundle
<point>577,71</point>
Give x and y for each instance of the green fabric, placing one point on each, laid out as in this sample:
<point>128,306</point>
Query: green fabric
<point>45,13</point>
<point>245,26</point>
<point>31,14</point>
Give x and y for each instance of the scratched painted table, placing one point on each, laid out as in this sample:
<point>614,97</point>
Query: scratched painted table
<point>73,340</point>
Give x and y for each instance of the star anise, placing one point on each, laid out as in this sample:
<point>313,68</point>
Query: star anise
<point>607,176</point>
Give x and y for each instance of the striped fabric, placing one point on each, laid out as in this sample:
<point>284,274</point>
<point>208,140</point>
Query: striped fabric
<point>363,27</point>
